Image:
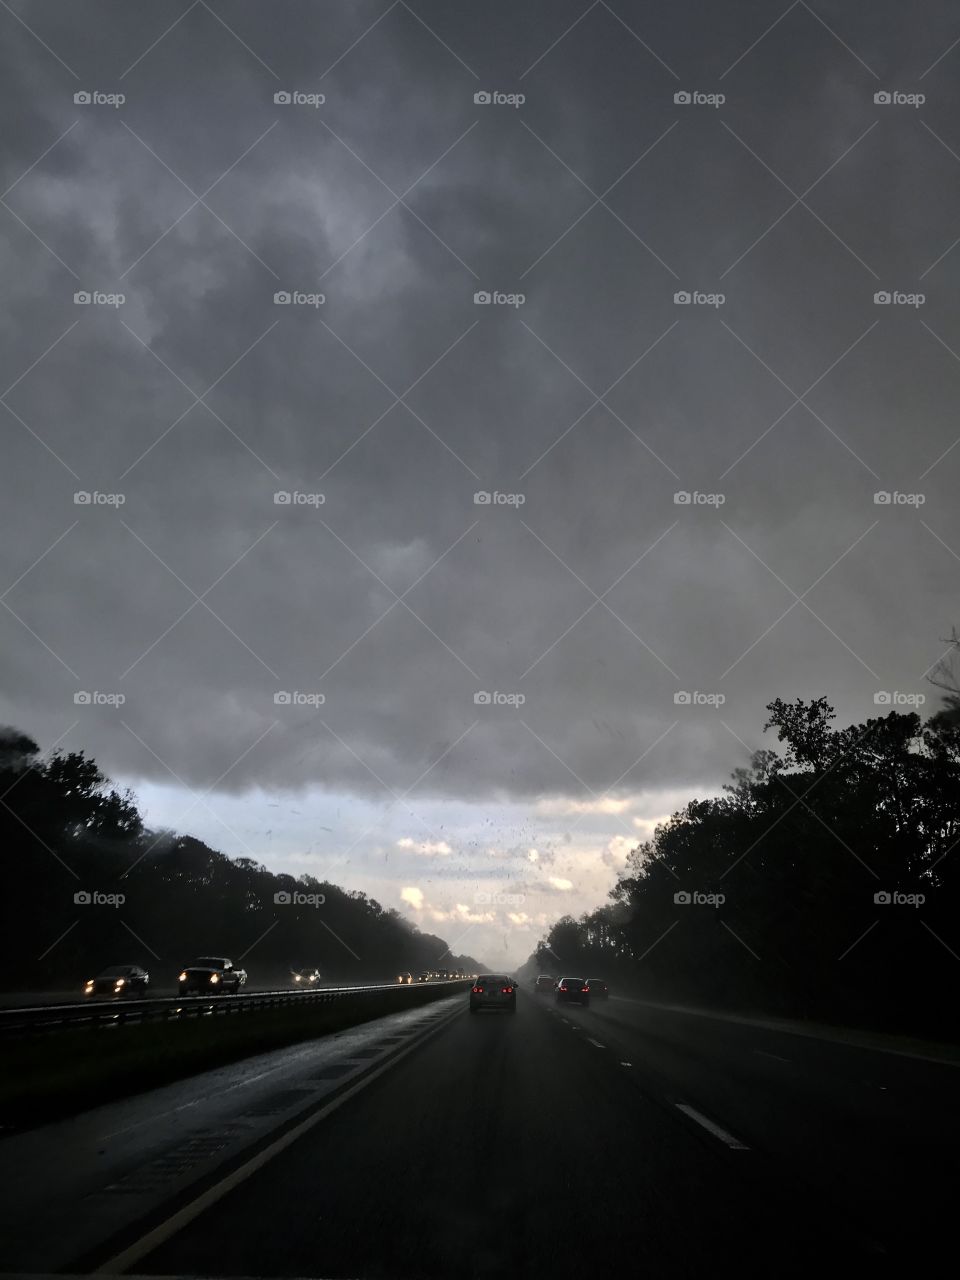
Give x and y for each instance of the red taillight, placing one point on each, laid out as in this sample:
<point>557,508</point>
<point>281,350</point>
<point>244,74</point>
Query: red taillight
<point>506,991</point>
<point>584,991</point>
<point>563,988</point>
<point>478,991</point>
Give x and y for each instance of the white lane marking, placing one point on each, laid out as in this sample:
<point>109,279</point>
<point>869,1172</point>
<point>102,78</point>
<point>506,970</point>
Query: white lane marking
<point>177,1221</point>
<point>715,1129</point>
<point>775,1056</point>
<point>596,1042</point>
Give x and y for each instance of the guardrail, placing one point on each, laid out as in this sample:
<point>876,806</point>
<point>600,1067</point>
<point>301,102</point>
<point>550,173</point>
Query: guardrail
<point>99,1013</point>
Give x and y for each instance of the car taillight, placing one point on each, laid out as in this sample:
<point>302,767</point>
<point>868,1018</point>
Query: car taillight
<point>506,991</point>
<point>563,988</point>
<point>584,991</point>
<point>478,991</point>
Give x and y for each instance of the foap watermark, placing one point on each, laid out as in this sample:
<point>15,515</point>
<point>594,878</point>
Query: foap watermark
<point>97,298</point>
<point>297,98</point>
<point>294,498</point>
<point>486,498</point>
<point>686,698</point>
<point>694,498</point>
<point>896,698</point>
<point>296,898</point>
<point>894,498</point>
<point>695,298</point>
<point>897,298</point>
<point>486,899</point>
<point>96,98</point>
<point>694,98</point>
<point>494,98</point>
<point>97,698</point>
<point>94,498</point>
<point>483,698</point>
<point>894,898</point>
<point>698,898</point>
<point>96,898</point>
<point>294,698</point>
<point>496,298</point>
<point>896,98</point>
<point>297,298</point>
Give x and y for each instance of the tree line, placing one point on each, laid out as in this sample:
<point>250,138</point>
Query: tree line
<point>824,884</point>
<point>87,884</point>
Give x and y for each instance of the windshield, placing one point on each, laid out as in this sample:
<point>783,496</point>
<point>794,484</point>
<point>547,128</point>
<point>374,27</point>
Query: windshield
<point>480,480</point>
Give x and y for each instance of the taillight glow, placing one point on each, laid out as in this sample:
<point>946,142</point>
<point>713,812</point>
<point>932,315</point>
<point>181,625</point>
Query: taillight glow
<point>506,991</point>
<point>584,991</point>
<point>563,988</point>
<point>478,991</point>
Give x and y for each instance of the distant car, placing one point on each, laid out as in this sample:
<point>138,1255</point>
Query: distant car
<point>598,988</point>
<point>303,978</point>
<point>211,975</point>
<point>405,979</point>
<point>544,984</point>
<point>493,991</point>
<point>119,980</point>
<point>423,977</point>
<point>573,991</point>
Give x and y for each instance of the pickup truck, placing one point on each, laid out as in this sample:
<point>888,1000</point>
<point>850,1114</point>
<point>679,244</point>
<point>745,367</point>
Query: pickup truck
<point>210,975</point>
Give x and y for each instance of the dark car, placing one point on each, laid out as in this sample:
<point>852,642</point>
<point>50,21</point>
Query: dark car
<point>544,984</point>
<point>211,975</point>
<point>304,979</point>
<point>573,991</point>
<point>598,988</point>
<point>493,991</point>
<point>119,980</point>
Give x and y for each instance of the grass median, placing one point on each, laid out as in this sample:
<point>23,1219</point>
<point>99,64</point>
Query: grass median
<point>54,1074</point>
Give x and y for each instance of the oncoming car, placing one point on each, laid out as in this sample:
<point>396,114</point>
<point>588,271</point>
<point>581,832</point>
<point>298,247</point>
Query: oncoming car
<point>573,991</point>
<point>210,975</point>
<point>119,980</point>
<point>544,984</point>
<point>493,991</point>
<point>305,978</point>
<point>405,979</point>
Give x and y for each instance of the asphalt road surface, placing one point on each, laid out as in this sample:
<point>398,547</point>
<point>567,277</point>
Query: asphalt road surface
<point>572,1142</point>
<point>557,1143</point>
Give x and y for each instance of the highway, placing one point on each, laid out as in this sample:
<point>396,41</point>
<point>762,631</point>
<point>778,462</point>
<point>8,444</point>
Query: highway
<point>555,1143</point>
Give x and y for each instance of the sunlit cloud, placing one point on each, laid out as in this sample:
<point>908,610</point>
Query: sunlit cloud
<point>424,846</point>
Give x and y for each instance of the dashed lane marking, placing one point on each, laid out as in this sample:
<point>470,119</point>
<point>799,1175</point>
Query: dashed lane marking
<point>709,1125</point>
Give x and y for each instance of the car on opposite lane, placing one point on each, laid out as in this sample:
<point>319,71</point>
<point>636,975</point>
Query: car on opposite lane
<point>210,975</point>
<point>573,991</point>
<point>119,980</point>
<point>493,991</point>
<point>304,979</point>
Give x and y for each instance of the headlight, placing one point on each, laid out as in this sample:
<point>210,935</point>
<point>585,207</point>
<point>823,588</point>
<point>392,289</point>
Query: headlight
<point>297,978</point>
<point>183,977</point>
<point>119,983</point>
<point>214,977</point>
<point>89,986</point>
<point>313,977</point>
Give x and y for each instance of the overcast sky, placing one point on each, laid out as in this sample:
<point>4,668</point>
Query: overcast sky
<point>312,667</point>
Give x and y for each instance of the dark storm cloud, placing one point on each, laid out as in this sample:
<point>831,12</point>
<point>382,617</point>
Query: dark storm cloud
<point>398,598</point>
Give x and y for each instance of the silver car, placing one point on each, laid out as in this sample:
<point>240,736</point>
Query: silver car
<point>493,991</point>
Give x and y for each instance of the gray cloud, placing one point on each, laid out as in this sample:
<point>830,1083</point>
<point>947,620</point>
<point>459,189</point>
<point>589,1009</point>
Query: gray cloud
<point>596,400</point>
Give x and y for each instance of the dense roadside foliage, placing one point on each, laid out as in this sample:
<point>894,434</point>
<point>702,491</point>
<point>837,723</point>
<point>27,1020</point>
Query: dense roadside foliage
<point>64,831</point>
<point>825,884</point>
